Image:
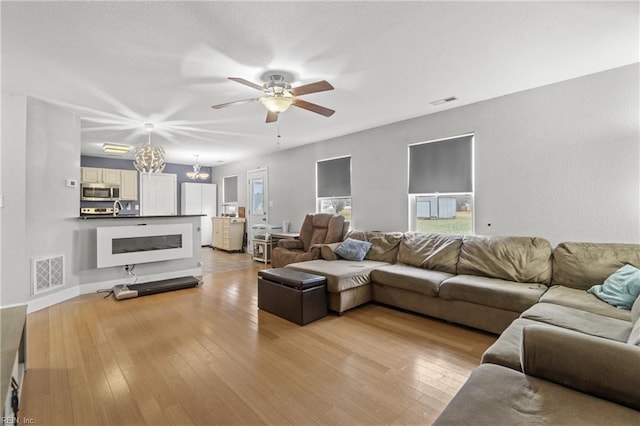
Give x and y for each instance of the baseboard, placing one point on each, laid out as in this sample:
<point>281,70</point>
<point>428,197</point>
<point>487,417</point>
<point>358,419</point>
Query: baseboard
<point>51,299</point>
<point>69,293</point>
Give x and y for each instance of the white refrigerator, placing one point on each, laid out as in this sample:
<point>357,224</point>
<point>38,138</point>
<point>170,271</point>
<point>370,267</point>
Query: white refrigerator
<point>200,198</point>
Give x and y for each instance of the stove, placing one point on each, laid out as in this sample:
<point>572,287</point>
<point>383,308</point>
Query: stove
<point>90,211</point>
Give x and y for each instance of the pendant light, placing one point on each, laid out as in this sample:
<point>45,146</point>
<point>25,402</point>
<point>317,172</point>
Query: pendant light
<point>149,158</point>
<point>196,174</point>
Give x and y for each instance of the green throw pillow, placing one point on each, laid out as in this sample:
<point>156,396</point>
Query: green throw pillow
<point>621,288</point>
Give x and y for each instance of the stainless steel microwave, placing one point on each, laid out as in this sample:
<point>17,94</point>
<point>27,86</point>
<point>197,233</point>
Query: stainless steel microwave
<point>99,192</point>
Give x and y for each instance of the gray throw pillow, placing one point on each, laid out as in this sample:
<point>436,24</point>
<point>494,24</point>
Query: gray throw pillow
<point>351,249</point>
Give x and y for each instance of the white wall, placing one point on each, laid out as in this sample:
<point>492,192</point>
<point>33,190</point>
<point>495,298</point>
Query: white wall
<point>53,156</point>
<point>41,149</point>
<point>560,162</point>
<point>14,270</point>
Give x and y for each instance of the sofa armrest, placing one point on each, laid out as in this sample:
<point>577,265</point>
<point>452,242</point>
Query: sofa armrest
<point>604,368</point>
<point>328,251</point>
<point>291,244</point>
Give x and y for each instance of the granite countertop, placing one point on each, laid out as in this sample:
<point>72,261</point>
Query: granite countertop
<point>133,216</point>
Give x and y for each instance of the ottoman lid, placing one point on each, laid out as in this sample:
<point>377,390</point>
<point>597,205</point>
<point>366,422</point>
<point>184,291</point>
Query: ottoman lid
<point>291,277</point>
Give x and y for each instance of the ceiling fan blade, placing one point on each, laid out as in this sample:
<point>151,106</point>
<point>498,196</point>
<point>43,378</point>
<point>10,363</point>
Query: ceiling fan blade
<point>318,86</point>
<point>244,101</point>
<point>313,107</point>
<point>246,83</point>
<point>271,117</point>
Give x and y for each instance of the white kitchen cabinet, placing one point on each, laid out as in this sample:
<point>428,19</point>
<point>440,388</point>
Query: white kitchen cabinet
<point>228,233</point>
<point>99,175</point>
<point>200,198</point>
<point>111,176</point>
<point>128,185</point>
<point>91,175</point>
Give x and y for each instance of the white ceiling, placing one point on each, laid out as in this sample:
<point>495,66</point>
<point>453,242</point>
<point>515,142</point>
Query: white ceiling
<point>122,64</point>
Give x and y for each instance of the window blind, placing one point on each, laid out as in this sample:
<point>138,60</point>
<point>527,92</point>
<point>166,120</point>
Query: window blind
<point>442,166</point>
<point>334,177</point>
<point>230,189</point>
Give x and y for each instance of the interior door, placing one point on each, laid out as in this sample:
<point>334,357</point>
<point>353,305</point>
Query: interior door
<point>158,194</point>
<point>258,194</point>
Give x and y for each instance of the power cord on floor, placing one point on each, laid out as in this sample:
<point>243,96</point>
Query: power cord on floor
<point>129,269</point>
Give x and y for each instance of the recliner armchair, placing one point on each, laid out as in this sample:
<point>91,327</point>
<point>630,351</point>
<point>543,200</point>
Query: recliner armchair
<point>319,228</point>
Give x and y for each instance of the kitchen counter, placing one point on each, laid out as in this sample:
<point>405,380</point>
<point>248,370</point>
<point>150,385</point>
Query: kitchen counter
<point>133,216</point>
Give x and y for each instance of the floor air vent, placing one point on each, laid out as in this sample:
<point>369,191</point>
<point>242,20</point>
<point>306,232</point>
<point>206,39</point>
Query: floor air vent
<point>47,273</point>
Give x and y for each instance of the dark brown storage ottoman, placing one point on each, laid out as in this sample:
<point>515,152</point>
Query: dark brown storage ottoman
<point>293,295</point>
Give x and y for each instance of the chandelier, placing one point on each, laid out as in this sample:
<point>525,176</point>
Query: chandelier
<point>196,173</point>
<point>149,158</point>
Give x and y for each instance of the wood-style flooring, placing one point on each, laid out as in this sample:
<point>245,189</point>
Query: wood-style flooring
<point>207,356</point>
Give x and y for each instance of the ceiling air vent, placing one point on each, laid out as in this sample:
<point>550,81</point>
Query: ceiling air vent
<point>444,100</point>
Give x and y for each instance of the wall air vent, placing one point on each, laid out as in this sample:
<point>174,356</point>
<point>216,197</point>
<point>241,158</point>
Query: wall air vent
<point>444,100</point>
<point>47,273</point>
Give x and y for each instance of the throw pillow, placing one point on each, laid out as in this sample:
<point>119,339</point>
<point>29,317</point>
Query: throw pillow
<point>351,249</point>
<point>621,288</point>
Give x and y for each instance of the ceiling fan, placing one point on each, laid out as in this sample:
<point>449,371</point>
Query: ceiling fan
<point>279,96</point>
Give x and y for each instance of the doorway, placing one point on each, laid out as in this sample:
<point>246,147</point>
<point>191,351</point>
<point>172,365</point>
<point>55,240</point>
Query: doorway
<point>258,200</point>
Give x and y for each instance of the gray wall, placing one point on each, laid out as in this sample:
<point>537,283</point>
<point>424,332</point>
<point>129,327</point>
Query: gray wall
<point>40,151</point>
<point>14,270</point>
<point>560,162</point>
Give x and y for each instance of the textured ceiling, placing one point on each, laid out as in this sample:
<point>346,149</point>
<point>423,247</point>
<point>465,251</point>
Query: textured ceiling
<point>121,64</point>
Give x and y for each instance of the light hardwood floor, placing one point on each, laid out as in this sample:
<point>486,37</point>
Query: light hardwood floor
<point>208,356</point>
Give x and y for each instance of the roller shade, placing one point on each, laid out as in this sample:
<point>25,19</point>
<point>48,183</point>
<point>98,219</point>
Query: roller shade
<point>231,189</point>
<point>442,166</point>
<point>334,177</point>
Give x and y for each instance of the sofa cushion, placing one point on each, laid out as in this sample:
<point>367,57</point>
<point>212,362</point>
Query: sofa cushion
<point>520,259</point>
<point>580,299</point>
<point>581,321</point>
<point>430,251</point>
<point>582,265</point>
<point>604,368</point>
<point>505,350</point>
<point>496,395</point>
<point>352,249</point>
<point>384,247</point>
<point>407,277</point>
<point>621,288</point>
<point>635,311</point>
<point>341,274</point>
<point>634,336</point>
<point>492,292</point>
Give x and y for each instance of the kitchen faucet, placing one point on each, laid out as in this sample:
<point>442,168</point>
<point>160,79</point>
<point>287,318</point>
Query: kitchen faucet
<point>117,206</point>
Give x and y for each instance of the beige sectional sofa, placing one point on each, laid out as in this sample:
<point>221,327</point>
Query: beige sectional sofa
<point>563,357</point>
<point>483,282</point>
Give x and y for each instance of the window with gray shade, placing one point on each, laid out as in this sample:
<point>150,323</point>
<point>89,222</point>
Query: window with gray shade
<point>230,187</point>
<point>441,167</point>
<point>334,177</point>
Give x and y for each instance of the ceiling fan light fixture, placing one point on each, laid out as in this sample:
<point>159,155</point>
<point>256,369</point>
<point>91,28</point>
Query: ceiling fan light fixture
<point>277,103</point>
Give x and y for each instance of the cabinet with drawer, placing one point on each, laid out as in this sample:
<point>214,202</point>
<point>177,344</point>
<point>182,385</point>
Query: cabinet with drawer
<point>228,233</point>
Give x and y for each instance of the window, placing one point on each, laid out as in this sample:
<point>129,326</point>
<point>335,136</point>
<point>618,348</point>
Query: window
<point>333,186</point>
<point>230,189</point>
<point>441,186</point>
